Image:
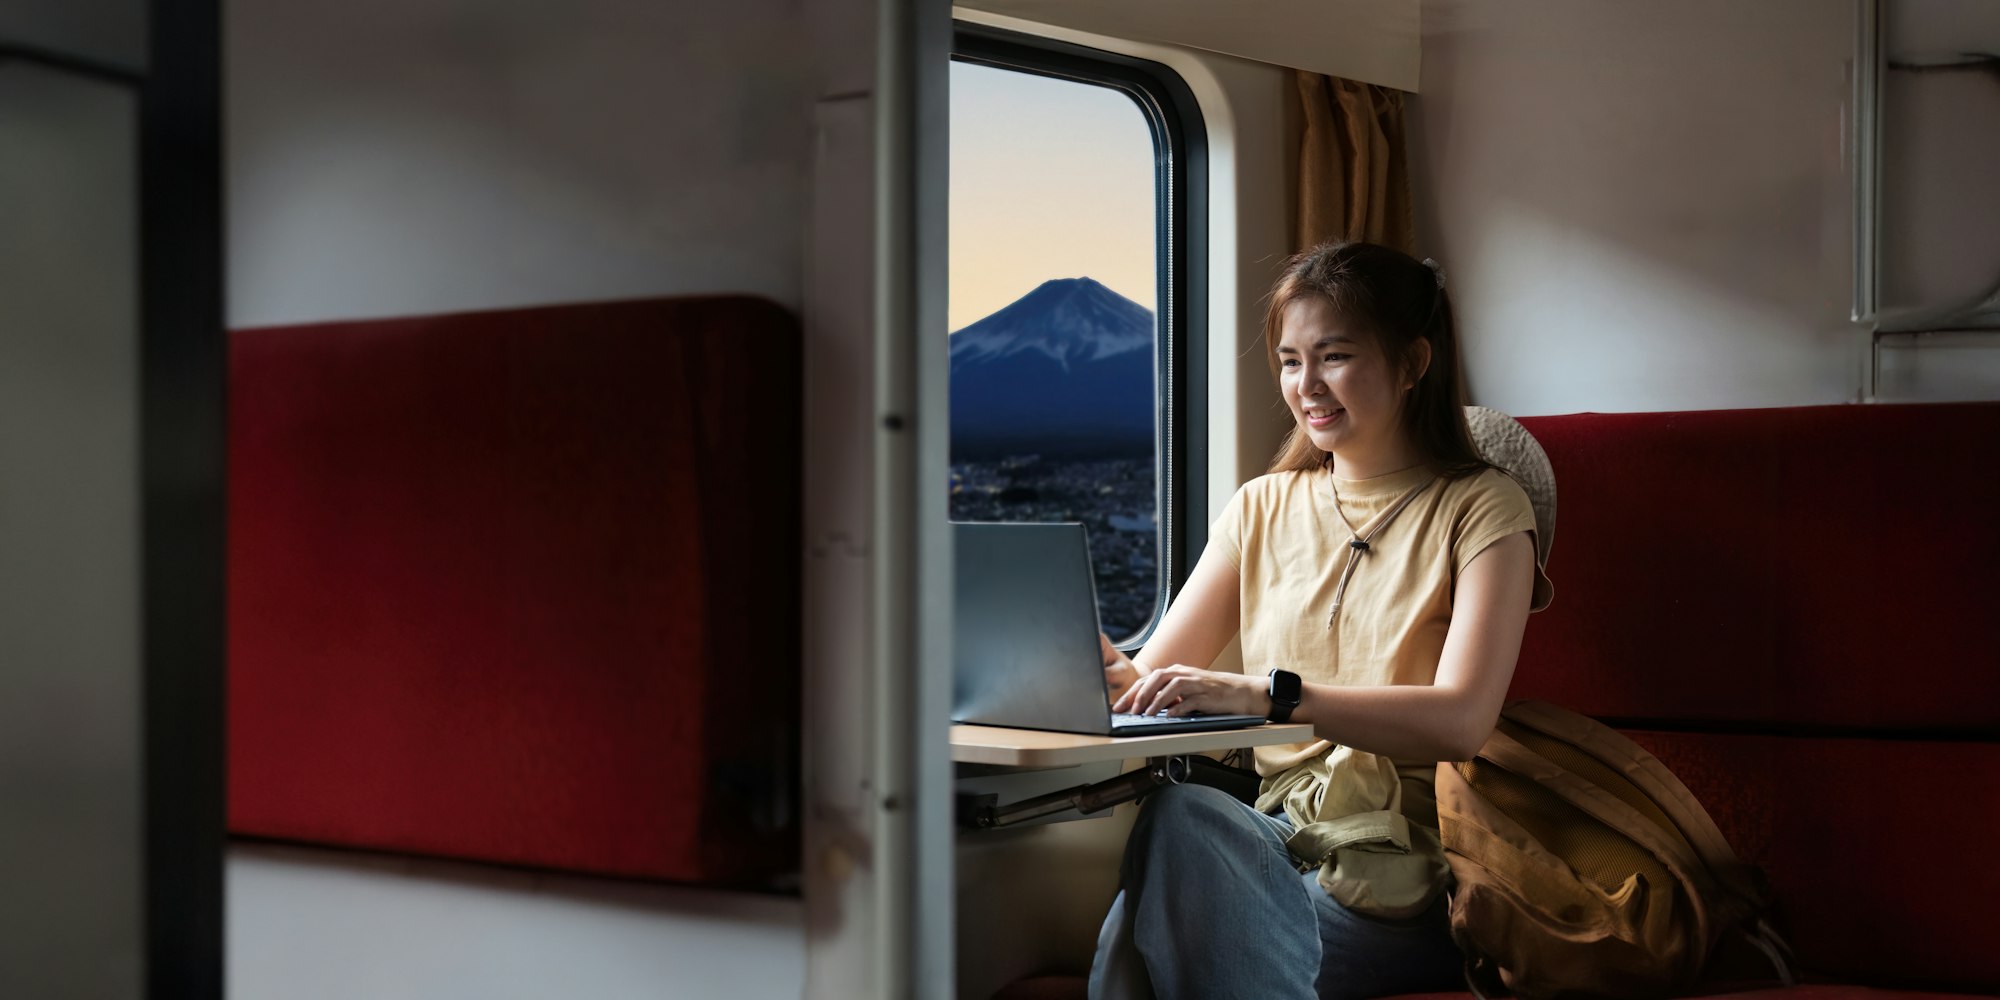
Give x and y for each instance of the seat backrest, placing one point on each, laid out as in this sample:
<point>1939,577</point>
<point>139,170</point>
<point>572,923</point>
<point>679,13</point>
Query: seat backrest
<point>502,584</point>
<point>1812,566</point>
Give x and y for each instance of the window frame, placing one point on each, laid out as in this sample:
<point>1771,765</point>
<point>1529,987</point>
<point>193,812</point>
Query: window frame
<point>1180,170</point>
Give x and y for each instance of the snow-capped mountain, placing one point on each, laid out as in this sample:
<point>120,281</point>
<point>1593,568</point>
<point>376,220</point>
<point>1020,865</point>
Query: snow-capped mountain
<point>1065,369</point>
<point>1068,319</point>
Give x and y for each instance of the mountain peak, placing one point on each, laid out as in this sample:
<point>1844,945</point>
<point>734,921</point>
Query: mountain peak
<point>1058,290</point>
<point>1078,284</point>
<point>1069,319</point>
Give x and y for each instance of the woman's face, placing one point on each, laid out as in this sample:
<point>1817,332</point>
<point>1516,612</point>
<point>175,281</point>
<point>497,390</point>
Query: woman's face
<point>1339,385</point>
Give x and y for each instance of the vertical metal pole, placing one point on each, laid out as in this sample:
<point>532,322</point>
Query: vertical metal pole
<point>913,566</point>
<point>893,602</point>
<point>1867,165</point>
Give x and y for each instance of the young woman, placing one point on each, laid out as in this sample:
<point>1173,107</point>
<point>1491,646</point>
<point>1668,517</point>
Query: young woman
<point>1379,578</point>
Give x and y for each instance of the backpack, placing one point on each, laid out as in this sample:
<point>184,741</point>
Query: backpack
<point>1584,868</point>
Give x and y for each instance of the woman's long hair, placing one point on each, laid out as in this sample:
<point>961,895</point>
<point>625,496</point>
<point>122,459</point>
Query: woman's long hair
<point>1398,300</point>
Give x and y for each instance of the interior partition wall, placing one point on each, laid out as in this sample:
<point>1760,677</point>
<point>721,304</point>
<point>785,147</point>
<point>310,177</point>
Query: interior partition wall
<point>111,519</point>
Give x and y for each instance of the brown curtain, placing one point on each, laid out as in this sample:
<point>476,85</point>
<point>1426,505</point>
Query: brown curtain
<point>1354,172</point>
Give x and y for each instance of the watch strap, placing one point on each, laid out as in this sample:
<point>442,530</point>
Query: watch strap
<point>1284,690</point>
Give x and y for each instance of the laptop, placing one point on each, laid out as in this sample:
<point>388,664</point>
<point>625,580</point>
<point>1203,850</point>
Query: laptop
<point>1026,653</point>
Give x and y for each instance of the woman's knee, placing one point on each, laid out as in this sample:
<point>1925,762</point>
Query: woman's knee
<point>1192,800</point>
<point>1194,813</point>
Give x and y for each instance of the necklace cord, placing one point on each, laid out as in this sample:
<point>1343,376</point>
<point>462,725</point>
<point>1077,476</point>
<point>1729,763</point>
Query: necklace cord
<point>1357,545</point>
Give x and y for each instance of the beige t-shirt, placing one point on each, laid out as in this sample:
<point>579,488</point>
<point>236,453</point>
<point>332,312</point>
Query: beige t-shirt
<point>1289,547</point>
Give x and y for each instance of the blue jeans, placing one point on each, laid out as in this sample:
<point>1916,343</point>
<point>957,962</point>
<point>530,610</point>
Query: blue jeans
<point>1212,908</point>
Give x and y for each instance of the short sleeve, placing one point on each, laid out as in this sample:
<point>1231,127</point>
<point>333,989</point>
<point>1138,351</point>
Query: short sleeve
<point>1226,532</point>
<point>1494,507</point>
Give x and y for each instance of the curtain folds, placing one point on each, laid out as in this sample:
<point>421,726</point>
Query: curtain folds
<point>1354,171</point>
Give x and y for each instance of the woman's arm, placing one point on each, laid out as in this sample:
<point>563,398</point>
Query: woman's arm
<point>1450,719</point>
<point>1447,720</point>
<point>1197,626</point>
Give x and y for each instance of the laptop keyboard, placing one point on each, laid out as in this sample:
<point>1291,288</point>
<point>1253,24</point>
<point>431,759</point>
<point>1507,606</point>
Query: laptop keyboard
<point>1134,719</point>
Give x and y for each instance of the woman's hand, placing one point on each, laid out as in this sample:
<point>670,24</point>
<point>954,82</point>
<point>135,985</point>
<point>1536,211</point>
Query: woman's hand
<point>1185,690</point>
<point>1119,672</point>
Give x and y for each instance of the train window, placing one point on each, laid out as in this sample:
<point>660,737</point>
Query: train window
<point>1076,308</point>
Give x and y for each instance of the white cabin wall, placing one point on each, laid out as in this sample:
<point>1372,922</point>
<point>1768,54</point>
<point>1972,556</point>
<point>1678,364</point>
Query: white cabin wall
<point>398,157</point>
<point>306,924</point>
<point>1641,206</point>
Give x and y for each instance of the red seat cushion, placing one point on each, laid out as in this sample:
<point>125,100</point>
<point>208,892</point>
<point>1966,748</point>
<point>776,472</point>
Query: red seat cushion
<point>1045,988</point>
<point>1806,991</point>
<point>520,587</point>
<point>1074,988</point>
<point>1872,846</point>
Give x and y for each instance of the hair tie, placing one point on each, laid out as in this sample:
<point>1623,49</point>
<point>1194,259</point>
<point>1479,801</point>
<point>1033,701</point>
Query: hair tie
<point>1437,270</point>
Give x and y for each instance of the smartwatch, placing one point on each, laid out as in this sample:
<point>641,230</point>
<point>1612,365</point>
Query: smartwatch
<point>1285,687</point>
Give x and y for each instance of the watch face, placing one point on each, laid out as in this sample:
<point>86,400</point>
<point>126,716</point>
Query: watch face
<point>1285,687</point>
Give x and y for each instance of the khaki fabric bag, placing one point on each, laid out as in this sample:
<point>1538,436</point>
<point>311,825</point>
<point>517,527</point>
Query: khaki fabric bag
<point>1584,868</point>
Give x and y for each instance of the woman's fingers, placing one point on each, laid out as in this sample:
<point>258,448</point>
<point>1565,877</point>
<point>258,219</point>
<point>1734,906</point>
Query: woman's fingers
<point>1179,696</point>
<point>1144,692</point>
<point>1139,689</point>
<point>1179,690</point>
<point>1183,690</point>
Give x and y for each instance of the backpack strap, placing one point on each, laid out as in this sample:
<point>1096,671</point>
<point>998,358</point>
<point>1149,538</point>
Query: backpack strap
<point>1652,778</point>
<point>1482,978</point>
<point>1638,766</point>
<point>1764,938</point>
<point>1671,795</point>
<point>1507,752</point>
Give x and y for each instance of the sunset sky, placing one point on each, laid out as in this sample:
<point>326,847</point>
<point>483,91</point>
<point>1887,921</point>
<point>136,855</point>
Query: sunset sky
<point>1049,179</point>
